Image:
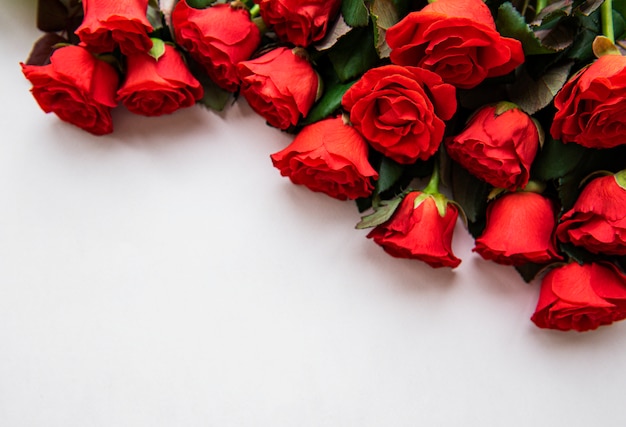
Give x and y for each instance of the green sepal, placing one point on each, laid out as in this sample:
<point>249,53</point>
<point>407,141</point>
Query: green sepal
<point>158,48</point>
<point>620,178</point>
<point>440,200</point>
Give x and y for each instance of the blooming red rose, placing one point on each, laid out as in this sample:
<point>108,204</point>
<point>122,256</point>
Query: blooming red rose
<point>300,22</point>
<point>401,110</point>
<point>111,23</point>
<point>154,87</point>
<point>330,157</point>
<point>597,221</point>
<point>520,229</point>
<point>497,147</point>
<point>77,87</point>
<point>590,106</point>
<point>581,297</point>
<point>218,37</point>
<point>456,39</point>
<point>279,85</point>
<point>418,230</point>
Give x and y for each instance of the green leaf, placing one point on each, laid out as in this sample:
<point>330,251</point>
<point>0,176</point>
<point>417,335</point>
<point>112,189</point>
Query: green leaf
<point>556,160</point>
<point>43,48</point>
<point>214,97</point>
<point>354,54</point>
<point>469,192</point>
<point>530,271</point>
<point>381,215</point>
<point>355,13</point>
<point>332,96</point>
<point>511,24</point>
<point>384,15</point>
<point>200,4</point>
<point>531,95</point>
<point>389,173</point>
<point>58,15</point>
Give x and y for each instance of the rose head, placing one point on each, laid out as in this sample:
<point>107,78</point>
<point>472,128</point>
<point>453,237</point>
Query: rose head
<point>597,221</point>
<point>77,87</point>
<point>581,297</point>
<point>497,147</point>
<point>300,22</point>
<point>329,157</point>
<point>400,111</point>
<point>520,229</point>
<point>111,23</point>
<point>456,39</point>
<point>590,106</point>
<point>154,87</point>
<point>419,232</point>
<point>279,85</point>
<point>218,37</point>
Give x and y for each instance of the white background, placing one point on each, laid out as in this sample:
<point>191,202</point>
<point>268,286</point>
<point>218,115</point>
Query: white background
<point>166,275</point>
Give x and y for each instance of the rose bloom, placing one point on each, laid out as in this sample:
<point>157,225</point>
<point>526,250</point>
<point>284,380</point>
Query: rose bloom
<point>155,87</point>
<point>456,39</point>
<point>218,37</point>
<point>520,229</point>
<point>419,232</point>
<point>581,297</point>
<point>299,22</point>
<point>401,111</point>
<point>108,24</point>
<point>590,106</point>
<point>77,87</point>
<point>597,221</point>
<point>329,157</point>
<point>497,148</point>
<point>279,85</point>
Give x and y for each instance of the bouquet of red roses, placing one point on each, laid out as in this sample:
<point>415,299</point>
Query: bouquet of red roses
<point>517,106</point>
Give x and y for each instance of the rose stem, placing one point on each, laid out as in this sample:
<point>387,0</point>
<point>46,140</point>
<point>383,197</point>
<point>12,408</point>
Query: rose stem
<point>607,20</point>
<point>540,5</point>
<point>433,183</point>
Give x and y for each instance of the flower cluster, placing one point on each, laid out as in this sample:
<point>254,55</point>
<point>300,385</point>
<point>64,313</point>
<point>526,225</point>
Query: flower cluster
<point>519,107</point>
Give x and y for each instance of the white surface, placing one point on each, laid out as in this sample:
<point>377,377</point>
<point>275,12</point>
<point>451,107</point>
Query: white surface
<point>168,276</point>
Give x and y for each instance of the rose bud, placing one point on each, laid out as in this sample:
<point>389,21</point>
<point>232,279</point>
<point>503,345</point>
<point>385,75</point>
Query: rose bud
<point>218,37</point>
<point>498,146</point>
<point>581,297</point>
<point>597,221</point>
<point>590,106</point>
<point>299,22</point>
<point>421,228</point>
<point>329,157</point>
<point>456,39</point>
<point>158,86</point>
<point>520,229</point>
<point>77,87</point>
<point>279,85</point>
<point>108,24</point>
<point>400,111</point>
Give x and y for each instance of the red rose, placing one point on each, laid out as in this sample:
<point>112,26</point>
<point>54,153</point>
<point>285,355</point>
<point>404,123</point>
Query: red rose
<point>299,22</point>
<point>329,157</point>
<point>280,86</point>
<point>155,87</point>
<point>520,229</point>
<point>77,87</point>
<point>497,147</point>
<point>597,221</point>
<point>456,39</point>
<point>581,297</point>
<point>400,111</point>
<point>218,37</point>
<point>590,106</point>
<point>111,23</point>
<point>419,232</point>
